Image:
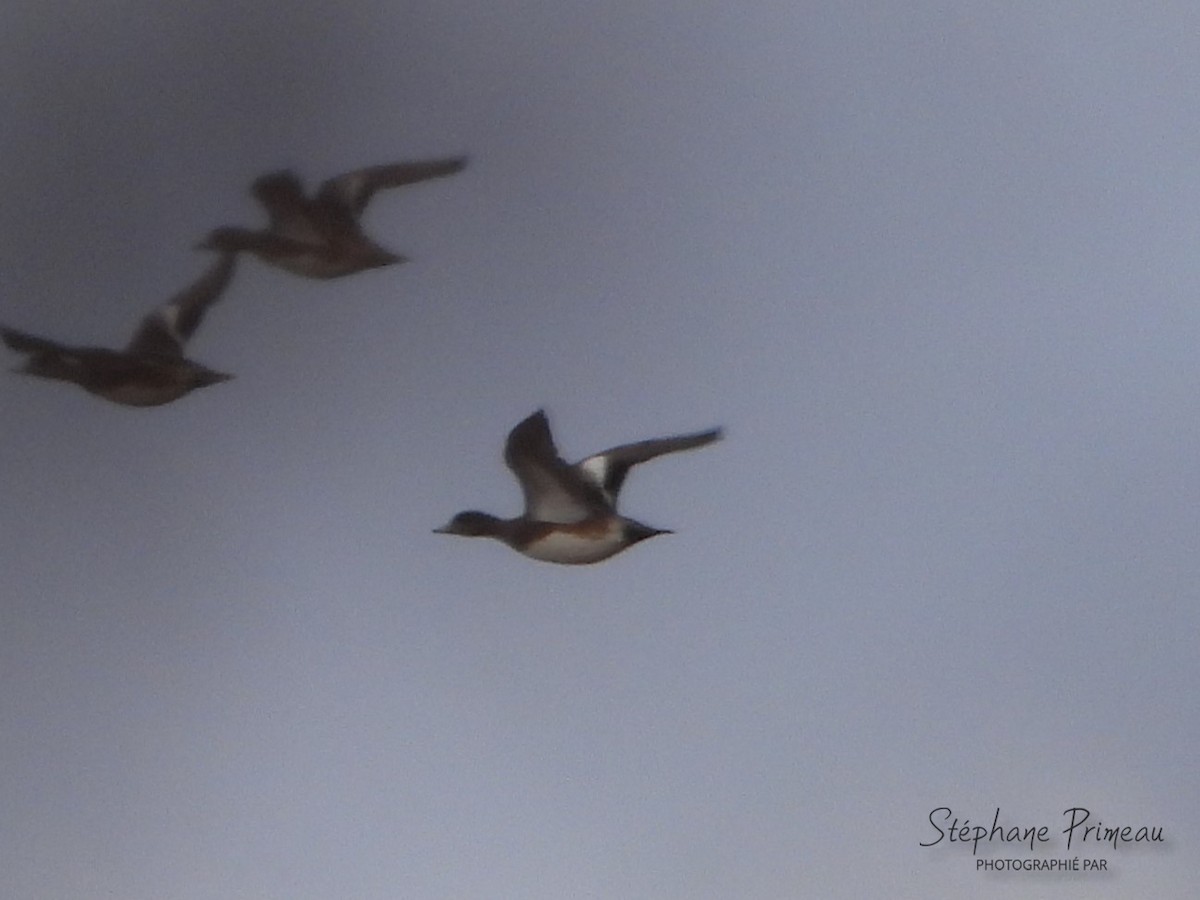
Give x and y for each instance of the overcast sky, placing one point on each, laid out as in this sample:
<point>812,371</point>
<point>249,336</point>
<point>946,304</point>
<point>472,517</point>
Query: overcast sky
<point>933,266</point>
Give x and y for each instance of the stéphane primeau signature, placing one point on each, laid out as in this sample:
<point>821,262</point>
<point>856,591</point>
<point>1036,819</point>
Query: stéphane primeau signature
<point>1081,830</point>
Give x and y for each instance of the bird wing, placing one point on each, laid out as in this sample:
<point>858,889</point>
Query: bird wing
<point>27,343</point>
<point>552,492</point>
<point>165,330</point>
<point>606,471</point>
<point>282,195</point>
<point>354,190</point>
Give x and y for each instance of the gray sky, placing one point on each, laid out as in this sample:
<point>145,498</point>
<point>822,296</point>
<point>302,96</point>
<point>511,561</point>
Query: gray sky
<point>933,268</point>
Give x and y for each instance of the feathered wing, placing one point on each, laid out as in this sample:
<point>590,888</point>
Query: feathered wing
<point>281,195</point>
<point>552,493</point>
<point>28,343</point>
<point>167,329</point>
<point>354,190</point>
<point>607,470</point>
<point>291,213</point>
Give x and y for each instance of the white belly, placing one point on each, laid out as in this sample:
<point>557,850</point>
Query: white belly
<point>575,549</point>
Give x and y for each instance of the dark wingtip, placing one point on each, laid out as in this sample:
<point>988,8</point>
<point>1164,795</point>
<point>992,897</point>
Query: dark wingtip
<point>18,341</point>
<point>537,416</point>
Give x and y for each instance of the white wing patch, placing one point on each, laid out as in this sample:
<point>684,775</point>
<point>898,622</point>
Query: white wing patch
<point>595,470</point>
<point>169,316</point>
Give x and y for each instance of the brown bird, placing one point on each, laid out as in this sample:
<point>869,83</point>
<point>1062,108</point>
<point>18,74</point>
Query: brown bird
<point>152,369</point>
<point>321,237</point>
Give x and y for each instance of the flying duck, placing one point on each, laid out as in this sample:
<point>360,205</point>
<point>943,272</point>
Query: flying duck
<point>570,510</point>
<point>152,369</point>
<point>320,237</point>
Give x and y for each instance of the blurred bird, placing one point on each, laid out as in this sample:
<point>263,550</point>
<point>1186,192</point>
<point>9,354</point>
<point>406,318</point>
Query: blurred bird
<point>570,510</point>
<point>152,369</point>
<point>321,237</point>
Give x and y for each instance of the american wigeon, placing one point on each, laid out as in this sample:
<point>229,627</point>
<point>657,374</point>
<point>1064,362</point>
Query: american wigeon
<point>152,369</point>
<point>570,510</point>
<point>321,237</point>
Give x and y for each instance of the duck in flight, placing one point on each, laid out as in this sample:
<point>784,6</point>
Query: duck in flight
<point>152,369</point>
<point>570,510</point>
<point>321,236</point>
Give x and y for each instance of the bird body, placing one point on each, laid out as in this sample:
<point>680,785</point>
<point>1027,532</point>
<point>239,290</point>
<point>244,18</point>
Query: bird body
<point>570,510</point>
<point>321,236</point>
<point>152,369</point>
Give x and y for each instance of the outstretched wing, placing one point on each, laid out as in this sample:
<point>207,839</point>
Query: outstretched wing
<point>607,470</point>
<point>281,194</point>
<point>552,492</point>
<point>27,343</point>
<point>355,189</point>
<point>292,215</point>
<point>165,330</point>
